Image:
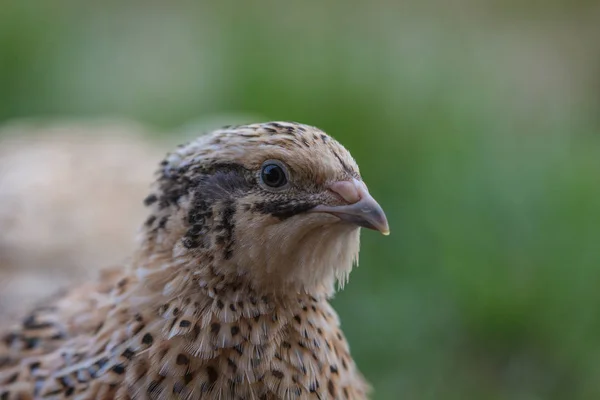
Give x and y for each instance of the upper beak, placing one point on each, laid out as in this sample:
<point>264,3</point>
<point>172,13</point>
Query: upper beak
<point>361,210</point>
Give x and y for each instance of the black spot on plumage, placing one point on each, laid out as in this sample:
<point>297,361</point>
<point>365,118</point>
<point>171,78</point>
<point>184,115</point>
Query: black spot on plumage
<point>187,378</point>
<point>118,369</point>
<point>32,323</point>
<point>164,203</point>
<point>232,365</point>
<point>277,374</point>
<point>288,130</point>
<point>58,336</point>
<point>128,354</point>
<point>147,339</point>
<point>191,242</point>
<point>275,125</point>
<point>31,343</point>
<point>196,331</point>
<point>163,222</point>
<point>182,359</point>
<point>213,375</point>
<point>34,365</point>
<point>151,199</point>
<point>195,230</point>
<point>101,362</point>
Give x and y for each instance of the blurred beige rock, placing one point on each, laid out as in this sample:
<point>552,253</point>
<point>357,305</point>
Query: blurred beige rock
<point>70,202</point>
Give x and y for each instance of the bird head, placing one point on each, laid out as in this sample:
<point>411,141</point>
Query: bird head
<point>277,206</point>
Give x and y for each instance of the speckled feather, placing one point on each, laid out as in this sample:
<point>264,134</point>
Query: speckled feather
<point>227,295</point>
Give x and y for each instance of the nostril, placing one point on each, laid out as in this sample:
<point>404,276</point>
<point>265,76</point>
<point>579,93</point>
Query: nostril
<point>347,190</point>
<point>337,196</point>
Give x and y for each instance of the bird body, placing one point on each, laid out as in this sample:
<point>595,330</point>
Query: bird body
<point>227,296</point>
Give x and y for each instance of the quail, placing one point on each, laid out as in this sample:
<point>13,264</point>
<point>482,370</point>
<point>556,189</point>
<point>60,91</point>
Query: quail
<point>250,230</point>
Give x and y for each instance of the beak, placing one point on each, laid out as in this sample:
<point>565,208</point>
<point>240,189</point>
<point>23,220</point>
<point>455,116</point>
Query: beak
<point>361,210</point>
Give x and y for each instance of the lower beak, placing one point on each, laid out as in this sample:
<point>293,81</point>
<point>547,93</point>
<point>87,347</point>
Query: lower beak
<point>361,210</point>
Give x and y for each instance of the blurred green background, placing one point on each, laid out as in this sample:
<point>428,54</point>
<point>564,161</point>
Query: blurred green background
<point>475,123</point>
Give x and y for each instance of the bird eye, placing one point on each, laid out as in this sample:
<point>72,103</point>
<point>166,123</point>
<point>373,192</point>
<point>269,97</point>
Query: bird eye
<point>273,175</point>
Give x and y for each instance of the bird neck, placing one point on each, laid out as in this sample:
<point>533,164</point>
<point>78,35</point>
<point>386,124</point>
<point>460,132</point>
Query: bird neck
<point>163,277</point>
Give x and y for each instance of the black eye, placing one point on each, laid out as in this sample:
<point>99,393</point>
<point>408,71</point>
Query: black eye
<point>273,175</point>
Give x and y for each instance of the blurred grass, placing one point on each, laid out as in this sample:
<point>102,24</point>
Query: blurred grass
<point>474,124</point>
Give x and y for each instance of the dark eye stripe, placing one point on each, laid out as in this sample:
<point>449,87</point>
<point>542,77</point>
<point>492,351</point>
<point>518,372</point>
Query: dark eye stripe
<point>283,209</point>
